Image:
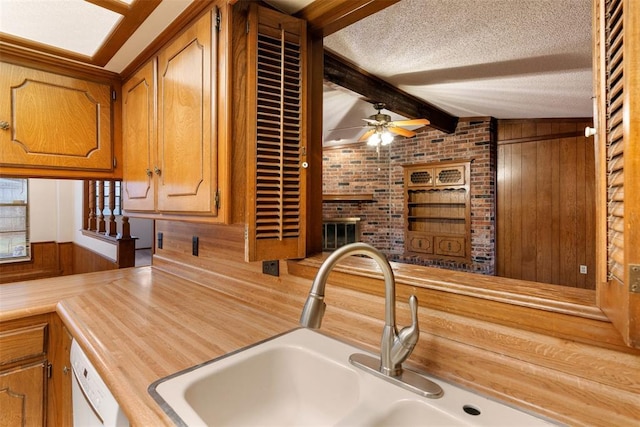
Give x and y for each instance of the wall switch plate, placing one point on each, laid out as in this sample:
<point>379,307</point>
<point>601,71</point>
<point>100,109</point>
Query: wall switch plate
<point>583,269</point>
<point>271,267</point>
<point>194,245</point>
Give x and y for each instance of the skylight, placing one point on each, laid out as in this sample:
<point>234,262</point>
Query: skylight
<point>72,25</point>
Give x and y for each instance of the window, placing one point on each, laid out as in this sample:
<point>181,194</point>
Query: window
<point>14,220</point>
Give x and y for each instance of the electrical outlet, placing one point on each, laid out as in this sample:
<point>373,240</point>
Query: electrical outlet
<point>160,238</point>
<point>194,245</point>
<point>583,269</point>
<point>271,267</point>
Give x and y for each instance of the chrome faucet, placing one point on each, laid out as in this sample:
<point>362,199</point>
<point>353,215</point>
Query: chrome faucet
<point>395,347</point>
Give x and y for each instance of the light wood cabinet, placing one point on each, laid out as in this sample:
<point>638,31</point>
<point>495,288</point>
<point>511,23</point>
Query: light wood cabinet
<point>50,122</point>
<point>35,376</point>
<point>438,211</point>
<point>138,140</point>
<point>22,396</point>
<point>170,131</point>
<point>22,375</point>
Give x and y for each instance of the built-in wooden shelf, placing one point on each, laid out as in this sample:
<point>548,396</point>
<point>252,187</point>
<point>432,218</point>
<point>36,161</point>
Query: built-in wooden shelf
<point>354,198</point>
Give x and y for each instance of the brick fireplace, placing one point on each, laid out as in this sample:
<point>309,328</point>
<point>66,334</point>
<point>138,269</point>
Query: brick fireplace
<point>357,169</point>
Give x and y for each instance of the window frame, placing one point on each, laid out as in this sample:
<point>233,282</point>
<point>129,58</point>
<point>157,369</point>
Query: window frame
<point>26,256</point>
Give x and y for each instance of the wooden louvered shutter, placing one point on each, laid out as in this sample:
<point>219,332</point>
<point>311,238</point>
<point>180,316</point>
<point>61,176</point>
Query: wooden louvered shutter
<point>276,136</point>
<point>618,117</point>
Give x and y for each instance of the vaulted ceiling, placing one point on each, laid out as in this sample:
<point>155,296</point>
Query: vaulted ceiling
<point>500,58</point>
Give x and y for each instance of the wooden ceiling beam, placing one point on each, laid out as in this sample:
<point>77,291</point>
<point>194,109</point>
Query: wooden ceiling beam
<point>343,73</point>
<point>328,16</point>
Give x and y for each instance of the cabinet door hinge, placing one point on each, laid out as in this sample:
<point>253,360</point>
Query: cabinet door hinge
<point>247,27</point>
<point>217,199</point>
<point>114,96</point>
<point>634,278</point>
<point>49,369</point>
<point>218,20</point>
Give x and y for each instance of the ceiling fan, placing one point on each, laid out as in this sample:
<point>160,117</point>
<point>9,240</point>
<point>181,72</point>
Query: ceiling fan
<point>382,127</point>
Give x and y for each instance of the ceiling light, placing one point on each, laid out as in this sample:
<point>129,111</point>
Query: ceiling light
<point>387,138</point>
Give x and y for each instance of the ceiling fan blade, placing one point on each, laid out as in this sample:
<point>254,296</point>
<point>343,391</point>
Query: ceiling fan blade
<point>414,122</point>
<point>401,131</point>
<point>366,135</point>
<point>372,122</point>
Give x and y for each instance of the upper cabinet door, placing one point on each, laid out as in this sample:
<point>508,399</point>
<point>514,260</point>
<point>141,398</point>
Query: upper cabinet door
<point>50,121</point>
<point>187,126</point>
<point>276,136</point>
<point>138,139</point>
<point>617,82</point>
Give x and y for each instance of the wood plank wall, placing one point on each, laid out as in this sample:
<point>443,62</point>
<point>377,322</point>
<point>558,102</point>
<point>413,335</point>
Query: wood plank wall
<point>52,259</point>
<point>546,201</point>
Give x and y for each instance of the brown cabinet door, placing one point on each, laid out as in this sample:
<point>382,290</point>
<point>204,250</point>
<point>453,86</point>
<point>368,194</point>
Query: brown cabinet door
<point>420,243</point>
<point>187,171</point>
<point>450,246</point>
<point>138,139</point>
<point>22,396</point>
<point>52,121</point>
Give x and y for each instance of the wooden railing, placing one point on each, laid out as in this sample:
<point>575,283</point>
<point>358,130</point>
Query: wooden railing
<point>102,197</point>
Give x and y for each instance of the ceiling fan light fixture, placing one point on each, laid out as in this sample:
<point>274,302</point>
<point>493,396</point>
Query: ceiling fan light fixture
<point>386,138</point>
<point>374,139</point>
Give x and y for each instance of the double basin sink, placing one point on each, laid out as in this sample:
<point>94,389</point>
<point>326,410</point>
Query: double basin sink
<point>304,378</point>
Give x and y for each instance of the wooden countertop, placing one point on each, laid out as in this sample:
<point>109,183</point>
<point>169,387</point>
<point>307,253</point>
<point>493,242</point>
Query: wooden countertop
<point>141,324</point>
<point>138,325</point>
<point>29,298</point>
<point>147,324</point>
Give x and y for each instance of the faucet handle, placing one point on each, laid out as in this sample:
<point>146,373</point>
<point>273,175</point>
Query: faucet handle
<point>409,334</point>
<point>413,306</point>
<point>407,338</point>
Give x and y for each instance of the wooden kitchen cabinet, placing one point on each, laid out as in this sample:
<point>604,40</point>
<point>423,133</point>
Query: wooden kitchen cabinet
<point>438,211</point>
<point>51,124</point>
<point>35,375</point>
<point>22,396</point>
<point>22,374</point>
<point>138,140</point>
<point>170,128</point>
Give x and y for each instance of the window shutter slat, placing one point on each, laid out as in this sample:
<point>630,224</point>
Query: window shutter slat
<point>615,138</point>
<point>279,138</point>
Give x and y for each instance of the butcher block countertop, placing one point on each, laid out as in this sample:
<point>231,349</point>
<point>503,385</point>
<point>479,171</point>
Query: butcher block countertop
<point>139,325</point>
<point>142,324</point>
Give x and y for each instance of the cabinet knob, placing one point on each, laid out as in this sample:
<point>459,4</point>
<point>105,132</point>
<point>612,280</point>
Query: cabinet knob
<point>4,125</point>
<point>157,170</point>
<point>589,131</point>
<point>149,173</point>
<point>65,370</point>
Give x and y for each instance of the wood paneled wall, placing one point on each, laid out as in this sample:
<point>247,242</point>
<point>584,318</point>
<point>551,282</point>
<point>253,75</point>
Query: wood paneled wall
<point>52,259</point>
<point>44,263</point>
<point>87,261</point>
<point>546,201</point>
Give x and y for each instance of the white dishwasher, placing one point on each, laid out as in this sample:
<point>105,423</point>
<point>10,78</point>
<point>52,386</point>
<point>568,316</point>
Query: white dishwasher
<point>93,403</point>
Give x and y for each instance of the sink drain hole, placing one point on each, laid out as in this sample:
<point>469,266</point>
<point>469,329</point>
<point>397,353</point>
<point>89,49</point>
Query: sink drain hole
<point>471,410</point>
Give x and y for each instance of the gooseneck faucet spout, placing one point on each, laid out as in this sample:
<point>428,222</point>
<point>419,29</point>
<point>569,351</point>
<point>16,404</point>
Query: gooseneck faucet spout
<point>395,347</point>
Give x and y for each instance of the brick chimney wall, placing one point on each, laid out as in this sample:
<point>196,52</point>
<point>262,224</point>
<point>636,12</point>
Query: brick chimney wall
<point>357,169</point>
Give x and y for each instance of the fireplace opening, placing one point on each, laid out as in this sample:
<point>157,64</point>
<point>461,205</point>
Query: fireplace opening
<point>337,232</point>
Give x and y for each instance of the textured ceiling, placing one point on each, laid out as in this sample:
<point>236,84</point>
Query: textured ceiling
<point>500,58</point>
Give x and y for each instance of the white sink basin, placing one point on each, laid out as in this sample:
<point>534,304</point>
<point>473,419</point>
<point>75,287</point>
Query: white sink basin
<point>304,378</point>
